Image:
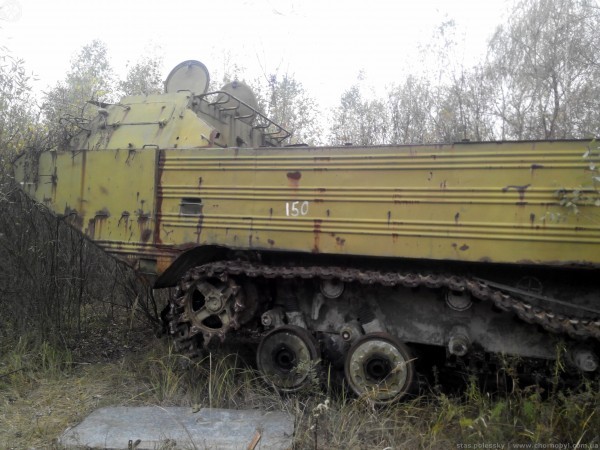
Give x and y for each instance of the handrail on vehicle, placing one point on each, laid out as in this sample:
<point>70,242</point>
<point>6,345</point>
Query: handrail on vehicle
<point>263,123</point>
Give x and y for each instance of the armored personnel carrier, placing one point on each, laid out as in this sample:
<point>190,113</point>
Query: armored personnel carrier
<point>366,259</point>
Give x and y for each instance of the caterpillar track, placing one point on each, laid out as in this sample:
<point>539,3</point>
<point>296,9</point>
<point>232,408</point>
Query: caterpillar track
<point>215,299</point>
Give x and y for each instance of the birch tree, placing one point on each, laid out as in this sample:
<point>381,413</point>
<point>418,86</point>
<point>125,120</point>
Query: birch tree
<point>545,67</point>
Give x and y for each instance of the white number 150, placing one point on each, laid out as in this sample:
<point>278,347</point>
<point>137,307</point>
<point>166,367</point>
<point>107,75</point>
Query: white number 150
<point>295,209</point>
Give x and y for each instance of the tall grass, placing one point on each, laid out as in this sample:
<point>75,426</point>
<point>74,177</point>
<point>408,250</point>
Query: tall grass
<point>328,418</point>
<point>220,380</point>
<point>55,390</point>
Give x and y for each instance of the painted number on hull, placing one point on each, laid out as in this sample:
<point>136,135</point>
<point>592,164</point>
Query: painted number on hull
<point>295,209</point>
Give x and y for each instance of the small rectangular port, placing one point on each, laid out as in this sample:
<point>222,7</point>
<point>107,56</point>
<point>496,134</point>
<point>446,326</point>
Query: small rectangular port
<point>190,207</point>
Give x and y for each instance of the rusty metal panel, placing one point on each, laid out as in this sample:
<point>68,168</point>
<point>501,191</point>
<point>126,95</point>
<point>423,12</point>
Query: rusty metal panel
<point>491,202</point>
<point>108,195</point>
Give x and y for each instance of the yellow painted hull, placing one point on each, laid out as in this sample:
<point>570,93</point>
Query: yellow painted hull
<point>472,202</point>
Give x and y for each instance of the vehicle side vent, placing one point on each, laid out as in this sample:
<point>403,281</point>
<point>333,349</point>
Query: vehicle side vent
<point>190,207</point>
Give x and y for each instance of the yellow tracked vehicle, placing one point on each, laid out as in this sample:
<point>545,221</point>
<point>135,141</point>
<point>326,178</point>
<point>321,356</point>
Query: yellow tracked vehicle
<point>369,259</point>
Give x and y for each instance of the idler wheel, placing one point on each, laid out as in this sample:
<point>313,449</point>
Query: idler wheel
<point>287,356</point>
<point>380,368</point>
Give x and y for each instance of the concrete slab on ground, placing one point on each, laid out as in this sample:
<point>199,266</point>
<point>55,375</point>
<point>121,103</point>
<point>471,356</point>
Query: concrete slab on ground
<point>181,428</point>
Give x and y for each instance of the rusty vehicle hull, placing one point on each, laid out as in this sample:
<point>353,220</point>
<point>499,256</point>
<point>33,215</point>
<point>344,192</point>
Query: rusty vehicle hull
<point>469,202</point>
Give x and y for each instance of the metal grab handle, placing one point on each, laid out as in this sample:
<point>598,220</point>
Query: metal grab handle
<point>279,135</point>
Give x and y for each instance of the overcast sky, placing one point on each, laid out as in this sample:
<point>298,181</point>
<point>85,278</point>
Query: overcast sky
<point>324,44</point>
